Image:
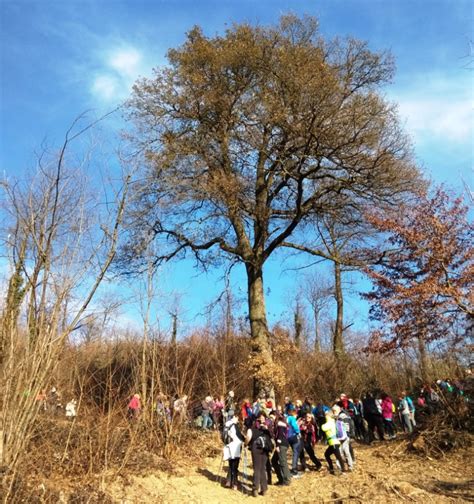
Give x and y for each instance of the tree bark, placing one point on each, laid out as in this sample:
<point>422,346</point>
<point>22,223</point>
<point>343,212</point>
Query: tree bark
<point>261,348</point>
<point>338,343</point>
<point>423,356</point>
<point>317,337</point>
<point>298,326</point>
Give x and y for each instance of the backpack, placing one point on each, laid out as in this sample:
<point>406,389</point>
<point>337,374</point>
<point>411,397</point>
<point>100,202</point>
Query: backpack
<point>225,434</point>
<point>263,443</point>
<point>348,426</point>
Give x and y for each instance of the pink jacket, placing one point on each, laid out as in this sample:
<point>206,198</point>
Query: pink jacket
<point>134,403</point>
<point>387,411</point>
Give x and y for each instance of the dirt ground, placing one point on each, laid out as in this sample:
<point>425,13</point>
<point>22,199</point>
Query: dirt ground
<point>384,473</point>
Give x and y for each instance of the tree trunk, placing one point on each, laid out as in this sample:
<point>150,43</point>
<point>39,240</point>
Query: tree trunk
<point>298,326</point>
<point>317,337</point>
<point>338,343</point>
<point>261,349</point>
<point>174,329</point>
<point>423,358</point>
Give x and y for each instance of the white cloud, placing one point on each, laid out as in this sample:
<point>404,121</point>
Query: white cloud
<point>105,87</point>
<point>436,107</point>
<point>120,68</point>
<point>126,62</point>
<point>427,118</point>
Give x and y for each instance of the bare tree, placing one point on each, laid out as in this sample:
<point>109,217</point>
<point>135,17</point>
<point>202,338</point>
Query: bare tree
<point>246,136</point>
<point>59,254</point>
<point>318,291</point>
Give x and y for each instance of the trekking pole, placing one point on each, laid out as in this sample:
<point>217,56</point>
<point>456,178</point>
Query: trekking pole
<point>244,488</point>
<point>221,468</point>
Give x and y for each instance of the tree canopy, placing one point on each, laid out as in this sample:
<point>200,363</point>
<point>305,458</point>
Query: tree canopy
<point>249,135</point>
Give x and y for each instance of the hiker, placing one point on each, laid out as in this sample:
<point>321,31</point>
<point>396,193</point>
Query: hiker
<point>217,413</point>
<point>374,418</point>
<point>294,438</point>
<point>71,409</point>
<point>387,415</point>
<point>54,400</point>
<point>246,412</point>
<point>360,432</point>
<point>134,407</point>
<point>180,408</point>
<point>279,459</point>
<point>288,404</point>
<point>306,407</point>
<point>405,414</point>
<point>329,429</point>
<point>260,443</point>
<point>308,430</point>
<point>207,406</point>
<point>346,404</point>
<point>42,400</point>
<point>162,409</point>
<point>342,434</point>
<point>319,413</point>
<point>229,407</point>
<point>233,440</point>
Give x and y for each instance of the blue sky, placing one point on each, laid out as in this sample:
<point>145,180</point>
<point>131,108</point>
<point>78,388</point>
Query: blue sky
<point>59,58</point>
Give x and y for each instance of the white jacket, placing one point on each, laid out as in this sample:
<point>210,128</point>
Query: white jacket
<point>233,449</point>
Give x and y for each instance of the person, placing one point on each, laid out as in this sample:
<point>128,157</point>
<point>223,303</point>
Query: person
<point>207,405</point>
<point>259,441</point>
<point>359,425</point>
<point>374,418</point>
<point>54,401</point>
<point>180,408</point>
<point>217,413</point>
<point>387,415</point>
<point>308,429</point>
<point>329,429</point>
<point>346,404</point>
<point>279,459</point>
<point>319,413</point>
<point>71,409</point>
<point>405,414</point>
<point>229,407</point>
<point>246,413</point>
<point>162,410</point>
<point>294,438</point>
<point>42,400</point>
<point>134,407</point>
<point>287,406</point>
<point>233,440</point>
<point>342,434</point>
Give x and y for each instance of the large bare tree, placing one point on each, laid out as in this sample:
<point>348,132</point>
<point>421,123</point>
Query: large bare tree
<point>247,135</point>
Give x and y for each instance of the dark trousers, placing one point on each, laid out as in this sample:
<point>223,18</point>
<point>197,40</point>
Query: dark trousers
<point>375,423</point>
<point>268,469</point>
<point>280,465</point>
<point>321,421</point>
<point>389,427</point>
<point>233,472</point>
<point>259,460</point>
<point>334,449</point>
<point>359,428</point>
<point>308,448</point>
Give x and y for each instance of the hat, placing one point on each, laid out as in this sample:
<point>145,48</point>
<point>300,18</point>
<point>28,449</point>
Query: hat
<point>336,409</point>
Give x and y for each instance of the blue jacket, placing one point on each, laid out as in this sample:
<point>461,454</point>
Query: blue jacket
<point>293,426</point>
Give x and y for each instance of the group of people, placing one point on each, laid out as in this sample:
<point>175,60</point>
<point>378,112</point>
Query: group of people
<point>269,431</point>
<point>166,409</point>
<point>51,402</point>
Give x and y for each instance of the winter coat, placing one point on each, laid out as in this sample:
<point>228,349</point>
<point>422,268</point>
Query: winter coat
<point>387,408</point>
<point>329,429</point>
<point>234,448</point>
